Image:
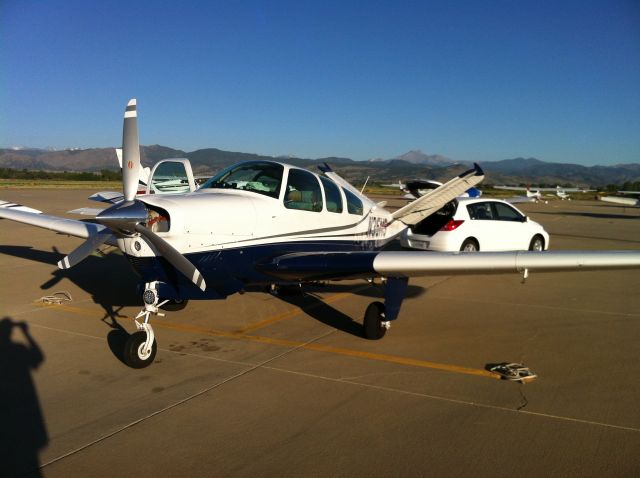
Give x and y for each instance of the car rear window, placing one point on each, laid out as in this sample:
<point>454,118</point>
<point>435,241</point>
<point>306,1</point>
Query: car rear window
<point>434,223</point>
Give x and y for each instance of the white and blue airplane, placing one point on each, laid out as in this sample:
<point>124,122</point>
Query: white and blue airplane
<point>269,223</point>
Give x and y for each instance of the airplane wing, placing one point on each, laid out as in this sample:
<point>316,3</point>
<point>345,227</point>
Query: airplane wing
<point>349,265</point>
<point>53,223</point>
<point>417,210</point>
<point>621,200</point>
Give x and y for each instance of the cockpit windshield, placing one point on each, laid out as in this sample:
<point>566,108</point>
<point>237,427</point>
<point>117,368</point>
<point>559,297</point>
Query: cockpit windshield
<point>261,177</point>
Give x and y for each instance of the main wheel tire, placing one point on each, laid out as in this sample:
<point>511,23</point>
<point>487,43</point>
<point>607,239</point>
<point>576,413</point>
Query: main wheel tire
<point>470,245</point>
<point>373,317</point>
<point>537,243</point>
<point>175,305</point>
<point>132,354</point>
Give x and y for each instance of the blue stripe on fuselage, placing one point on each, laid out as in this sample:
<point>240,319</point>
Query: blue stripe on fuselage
<point>228,271</point>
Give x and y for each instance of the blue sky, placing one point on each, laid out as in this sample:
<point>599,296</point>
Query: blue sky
<point>472,80</point>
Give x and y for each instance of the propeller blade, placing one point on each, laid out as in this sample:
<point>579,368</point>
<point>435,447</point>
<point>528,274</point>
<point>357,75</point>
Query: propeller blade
<point>87,247</point>
<point>176,259</point>
<point>130,152</point>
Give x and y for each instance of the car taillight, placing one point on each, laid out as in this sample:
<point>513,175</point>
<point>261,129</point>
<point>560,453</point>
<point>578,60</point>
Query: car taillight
<point>451,225</point>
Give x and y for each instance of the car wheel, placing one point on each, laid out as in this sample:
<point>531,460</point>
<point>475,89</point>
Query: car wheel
<point>536,244</point>
<point>470,245</point>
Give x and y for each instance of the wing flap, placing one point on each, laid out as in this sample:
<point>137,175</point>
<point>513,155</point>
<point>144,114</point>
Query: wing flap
<point>423,207</point>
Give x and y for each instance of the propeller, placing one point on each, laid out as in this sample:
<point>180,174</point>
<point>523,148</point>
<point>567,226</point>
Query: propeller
<point>126,218</point>
<point>85,249</point>
<point>130,151</point>
<point>176,259</point>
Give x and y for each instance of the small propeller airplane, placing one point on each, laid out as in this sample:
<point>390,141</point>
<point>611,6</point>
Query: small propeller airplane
<point>267,223</point>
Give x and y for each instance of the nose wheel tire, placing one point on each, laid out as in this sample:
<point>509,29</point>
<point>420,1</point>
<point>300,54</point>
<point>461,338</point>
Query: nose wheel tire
<point>134,354</point>
<point>374,321</point>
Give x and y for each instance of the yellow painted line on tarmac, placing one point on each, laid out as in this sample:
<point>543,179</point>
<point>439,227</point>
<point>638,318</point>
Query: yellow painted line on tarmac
<point>302,345</point>
<point>330,349</point>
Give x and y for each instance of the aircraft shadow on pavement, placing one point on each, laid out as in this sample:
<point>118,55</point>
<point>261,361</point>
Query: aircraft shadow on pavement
<point>108,279</point>
<point>113,285</point>
<point>323,312</point>
<point>23,432</point>
<point>313,305</point>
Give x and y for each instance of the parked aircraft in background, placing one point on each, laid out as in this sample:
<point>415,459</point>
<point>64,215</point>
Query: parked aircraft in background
<point>265,223</point>
<point>537,193</point>
<point>562,194</point>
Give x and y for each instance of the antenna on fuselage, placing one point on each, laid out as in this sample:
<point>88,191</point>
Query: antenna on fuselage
<point>364,185</point>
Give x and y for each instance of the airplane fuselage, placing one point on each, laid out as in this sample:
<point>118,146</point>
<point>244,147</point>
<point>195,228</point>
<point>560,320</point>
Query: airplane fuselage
<point>228,230</point>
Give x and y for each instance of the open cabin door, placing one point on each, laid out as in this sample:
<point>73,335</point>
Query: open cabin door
<point>171,176</point>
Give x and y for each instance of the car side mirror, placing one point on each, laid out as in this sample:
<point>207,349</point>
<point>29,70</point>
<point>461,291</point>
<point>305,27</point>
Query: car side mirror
<point>525,219</point>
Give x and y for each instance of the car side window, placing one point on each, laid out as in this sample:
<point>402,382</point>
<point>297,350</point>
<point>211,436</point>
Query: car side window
<point>303,191</point>
<point>354,204</point>
<point>332,195</point>
<point>506,213</point>
<point>481,211</point>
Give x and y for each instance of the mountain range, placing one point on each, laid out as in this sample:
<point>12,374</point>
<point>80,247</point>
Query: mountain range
<point>413,164</point>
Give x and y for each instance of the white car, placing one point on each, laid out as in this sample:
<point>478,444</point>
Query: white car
<point>476,224</point>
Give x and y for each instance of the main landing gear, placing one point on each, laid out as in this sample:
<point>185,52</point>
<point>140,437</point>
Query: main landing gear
<point>375,324</point>
<point>378,316</point>
<point>141,346</point>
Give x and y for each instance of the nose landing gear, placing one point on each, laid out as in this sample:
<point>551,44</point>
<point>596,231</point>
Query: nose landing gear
<point>141,346</point>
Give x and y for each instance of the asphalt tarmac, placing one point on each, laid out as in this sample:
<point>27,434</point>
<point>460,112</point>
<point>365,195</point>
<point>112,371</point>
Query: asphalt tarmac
<point>263,385</point>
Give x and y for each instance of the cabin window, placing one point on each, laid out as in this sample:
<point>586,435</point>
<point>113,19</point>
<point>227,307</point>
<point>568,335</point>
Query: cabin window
<point>303,191</point>
<point>354,204</point>
<point>332,195</point>
<point>255,176</point>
